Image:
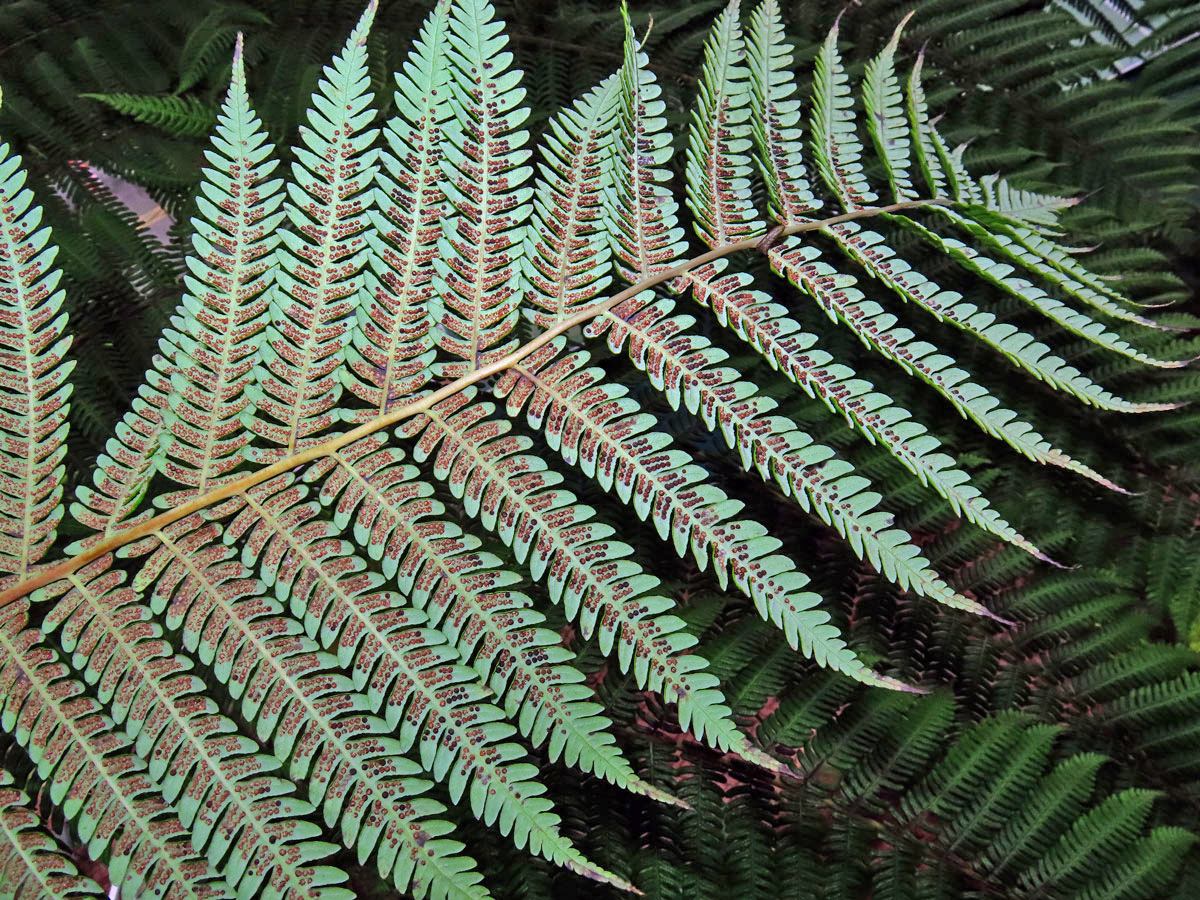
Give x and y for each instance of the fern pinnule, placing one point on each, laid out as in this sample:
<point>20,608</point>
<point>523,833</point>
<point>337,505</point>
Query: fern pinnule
<point>718,166</point>
<point>31,862</point>
<point>186,421</point>
<point>483,163</point>
<point>319,281</point>
<point>883,103</point>
<point>224,310</point>
<point>777,118</point>
<point>567,257</point>
<point>33,375</point>
<point>641,214</point>
<point>837,149</point>
<point>238,814</point>
<point>392,348</point>
<point>93,774</point>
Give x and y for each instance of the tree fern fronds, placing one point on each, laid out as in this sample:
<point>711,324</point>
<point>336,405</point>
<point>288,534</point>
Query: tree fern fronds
<point>718,167</point>
<point>641,214</point>
<point>320,261</point>
<point>1091,840</point>
<point>567,257</point>
<point>92,773</point>
<point>777,117</point>
<point>687,368</point>
<point>33,375</point>
<point>883,102</point>
<point>308,714</point>
<point>238,815</point>
<point>225,308</point>
<point>764,325</point>
<point>32,864</point>
<point>876,328</point>
<point>478,261</point>
<point>465,593</point>
<point>1145,868</point>
<point>185,116</point>
<point>869,250</point>
<point>591,575</point>
<point>597,427</point>
<point>392,345</point>
<point>977,821</point>
<point>1047,812</point>
<point>837,150</point>
<point>406,671</point>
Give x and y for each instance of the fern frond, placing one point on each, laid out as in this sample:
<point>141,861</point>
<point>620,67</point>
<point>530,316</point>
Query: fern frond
<point>764,325</point>
<point>467,595</point>
<point>320,261</point>
<point>686,366</point>
<point>92,773</point>
<point>308,714</point>
<point>175,115</point>
<point>1071,321</point>
<point>597,427</point>
<point>721,202</point>
<point>33,375</point>
<point>1093,838</point>
<point>1047,812</point>
<point>238,815</point>
<point>409,673</point>
<point>32,865</point>
<point>589,574</point>
<point>326,587</point>
<point>478,262</point>
<point>878,329</point>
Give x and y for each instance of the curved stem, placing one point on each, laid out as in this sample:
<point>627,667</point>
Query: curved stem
<point>65,567</point>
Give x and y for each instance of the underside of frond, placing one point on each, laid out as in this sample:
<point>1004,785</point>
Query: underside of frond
<point>412,386</point>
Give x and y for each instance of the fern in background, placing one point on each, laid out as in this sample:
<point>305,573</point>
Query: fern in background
<point>368,585</point>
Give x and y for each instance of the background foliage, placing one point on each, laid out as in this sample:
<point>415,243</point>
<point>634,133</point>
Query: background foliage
<point>1093,699</point>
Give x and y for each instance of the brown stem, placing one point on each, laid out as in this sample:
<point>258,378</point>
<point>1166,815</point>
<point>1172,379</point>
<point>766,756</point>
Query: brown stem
<point>162,520</point>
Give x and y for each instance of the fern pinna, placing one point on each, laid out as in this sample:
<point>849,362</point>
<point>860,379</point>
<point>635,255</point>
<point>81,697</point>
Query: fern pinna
<point>317,628</point>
